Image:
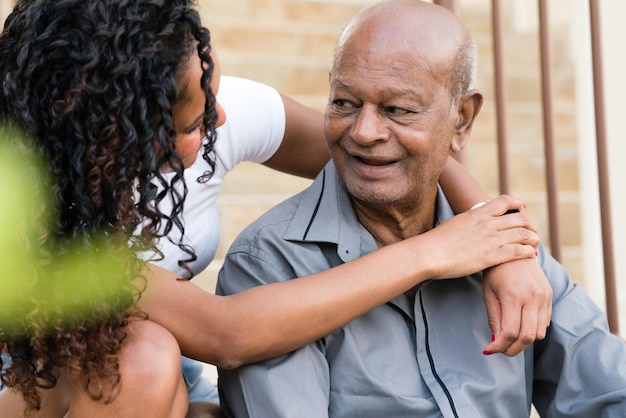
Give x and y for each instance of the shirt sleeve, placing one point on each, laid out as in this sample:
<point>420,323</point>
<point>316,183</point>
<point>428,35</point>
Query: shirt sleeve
<point>255,122</point>
<point>580,368</point>
<point>272,388</point>
<point>295,385</point>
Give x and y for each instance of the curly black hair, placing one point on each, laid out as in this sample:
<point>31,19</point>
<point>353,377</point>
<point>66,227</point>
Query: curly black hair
<point>94,82</point>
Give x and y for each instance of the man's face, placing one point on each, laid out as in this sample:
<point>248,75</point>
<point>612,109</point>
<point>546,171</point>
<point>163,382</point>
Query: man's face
<point>388,124</point>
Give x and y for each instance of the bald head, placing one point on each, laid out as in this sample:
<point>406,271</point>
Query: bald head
<point>422,34</point>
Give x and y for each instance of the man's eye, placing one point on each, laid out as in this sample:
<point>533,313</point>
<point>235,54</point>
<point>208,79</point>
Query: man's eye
<point>342,103</point>
<point>396,110</point>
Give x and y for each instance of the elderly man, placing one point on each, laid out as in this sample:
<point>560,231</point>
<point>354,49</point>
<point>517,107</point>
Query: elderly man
<point>400,101</point>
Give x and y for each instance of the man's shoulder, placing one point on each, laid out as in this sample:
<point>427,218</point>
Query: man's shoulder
<point>260,254</point>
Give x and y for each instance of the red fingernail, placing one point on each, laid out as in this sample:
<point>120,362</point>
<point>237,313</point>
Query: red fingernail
<point>493,338</point>
<point>536,253</point>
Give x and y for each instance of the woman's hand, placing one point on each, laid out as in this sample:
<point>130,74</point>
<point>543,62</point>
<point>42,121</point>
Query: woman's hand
<point>481,238</point>
<point>519,305</point>
<point>517,294</point>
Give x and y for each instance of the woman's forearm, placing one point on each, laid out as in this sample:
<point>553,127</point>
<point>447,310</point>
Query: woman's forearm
<point>460,188</point>
<point>270,320</point>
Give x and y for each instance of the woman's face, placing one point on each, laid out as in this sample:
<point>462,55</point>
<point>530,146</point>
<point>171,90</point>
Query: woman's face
<point>188,114</point>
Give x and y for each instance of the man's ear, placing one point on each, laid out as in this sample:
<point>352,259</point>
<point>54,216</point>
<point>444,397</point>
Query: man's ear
<point>467,107</point>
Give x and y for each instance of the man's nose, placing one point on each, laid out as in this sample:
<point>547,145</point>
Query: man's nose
<point>369,126</point>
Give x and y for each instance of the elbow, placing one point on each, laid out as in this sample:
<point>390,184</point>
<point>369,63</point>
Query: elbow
<point>227,360</point>
<point>233,353</point>
<point>228,363</point>
<point>237,340</point>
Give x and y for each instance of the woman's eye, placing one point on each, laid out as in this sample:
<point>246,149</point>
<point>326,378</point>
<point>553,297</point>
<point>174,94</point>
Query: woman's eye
<point>197,129</point>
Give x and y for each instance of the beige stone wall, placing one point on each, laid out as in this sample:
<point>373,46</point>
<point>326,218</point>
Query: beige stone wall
<point>5,8</point>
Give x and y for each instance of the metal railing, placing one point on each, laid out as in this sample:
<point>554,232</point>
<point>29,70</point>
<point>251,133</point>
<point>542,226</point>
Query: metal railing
<point>548,136</point>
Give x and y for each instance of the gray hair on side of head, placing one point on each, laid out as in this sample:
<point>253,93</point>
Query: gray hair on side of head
<point>463,68</point>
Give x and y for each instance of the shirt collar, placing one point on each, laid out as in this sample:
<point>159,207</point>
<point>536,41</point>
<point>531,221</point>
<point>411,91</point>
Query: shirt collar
<point>325,214</point>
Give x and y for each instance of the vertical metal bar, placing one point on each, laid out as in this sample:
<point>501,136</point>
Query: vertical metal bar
<point>603,173</point>
<point>500,94</point>
<point>548,131</point>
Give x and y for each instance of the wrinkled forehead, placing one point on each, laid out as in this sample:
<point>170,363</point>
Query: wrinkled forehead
<point>389,61</point>
<point>411,30</point>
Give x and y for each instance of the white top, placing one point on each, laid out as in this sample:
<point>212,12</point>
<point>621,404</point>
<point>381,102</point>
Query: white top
<point>254,130</point>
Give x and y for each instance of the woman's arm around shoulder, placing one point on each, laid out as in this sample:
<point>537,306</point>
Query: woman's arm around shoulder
<point>276,318</point>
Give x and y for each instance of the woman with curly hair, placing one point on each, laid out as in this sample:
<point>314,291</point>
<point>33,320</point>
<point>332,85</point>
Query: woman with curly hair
<point>119,97</point>
<point>97,85</point>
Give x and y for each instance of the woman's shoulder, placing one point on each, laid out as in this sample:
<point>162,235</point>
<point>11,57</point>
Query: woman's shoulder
<point>255,122</point>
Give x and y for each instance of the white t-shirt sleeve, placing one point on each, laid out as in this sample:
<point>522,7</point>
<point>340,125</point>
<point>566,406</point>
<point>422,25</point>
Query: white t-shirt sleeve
<point>255,122</point>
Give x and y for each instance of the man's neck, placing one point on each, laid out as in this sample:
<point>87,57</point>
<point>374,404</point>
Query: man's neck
<point>390,223</point>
